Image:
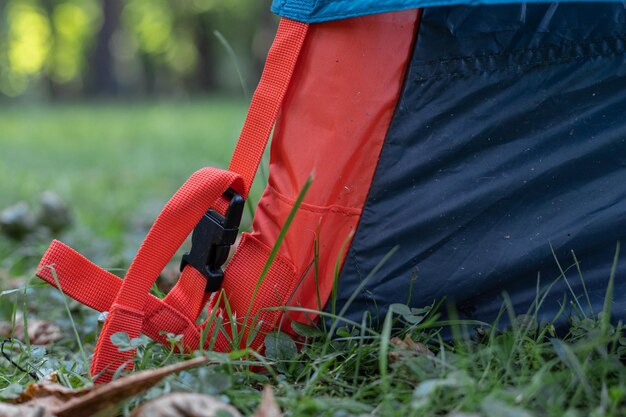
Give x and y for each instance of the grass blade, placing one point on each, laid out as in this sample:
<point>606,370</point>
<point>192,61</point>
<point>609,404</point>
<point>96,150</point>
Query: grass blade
<point>608,297</point>
<point>383,353</point>
<point>233,57</point>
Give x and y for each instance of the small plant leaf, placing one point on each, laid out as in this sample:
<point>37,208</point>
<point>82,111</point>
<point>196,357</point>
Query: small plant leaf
<point>343,332</point>
<point>280,347</point>
<point>137,342</point>
<point>120,339</point>
<point>496,408</point>
<point>401,309</point>
<point>425,391</point>
<point>414,319</point>
<point>215,384</point>
<point>408,314</point>
<point>11,392</point>
<point>306,331</point>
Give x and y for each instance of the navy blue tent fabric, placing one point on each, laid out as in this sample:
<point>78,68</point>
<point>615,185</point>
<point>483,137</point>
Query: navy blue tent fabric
<point>323,10</point>
<point>510,134</point>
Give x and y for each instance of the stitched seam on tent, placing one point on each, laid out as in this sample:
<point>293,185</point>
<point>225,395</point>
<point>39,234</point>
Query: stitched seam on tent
<point>523,67</point>
<point>304,7</point>
<point>520,51</point>
<point>346,211</point>
<point>357,269</point>
<point>386,8</point>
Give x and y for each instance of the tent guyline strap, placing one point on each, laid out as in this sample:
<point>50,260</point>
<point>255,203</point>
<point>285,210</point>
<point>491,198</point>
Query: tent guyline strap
<point>209,192</point>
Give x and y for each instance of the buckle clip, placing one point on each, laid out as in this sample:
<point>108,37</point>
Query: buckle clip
<point>211,241</point>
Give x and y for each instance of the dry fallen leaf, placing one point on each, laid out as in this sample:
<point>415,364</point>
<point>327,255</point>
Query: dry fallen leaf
<point>407,348</point>
<point>40,332</point>
<point>268,406</point>
<point>112,393</point>
<point>186,405</point>
<point>49,398</point>
<point>48,393</point>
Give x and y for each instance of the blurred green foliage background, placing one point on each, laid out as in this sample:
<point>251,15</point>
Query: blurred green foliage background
<point>52,49</point>
<point>111,105</point>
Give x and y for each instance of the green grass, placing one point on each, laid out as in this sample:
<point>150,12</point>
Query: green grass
<point>116,165</point>
<point>111,160</point>
<point>522,370</point>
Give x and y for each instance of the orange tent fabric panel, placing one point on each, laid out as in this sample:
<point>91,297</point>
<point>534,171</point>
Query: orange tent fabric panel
<point>332,127</point>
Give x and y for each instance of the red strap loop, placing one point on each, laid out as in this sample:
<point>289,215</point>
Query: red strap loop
<point>178,218</point>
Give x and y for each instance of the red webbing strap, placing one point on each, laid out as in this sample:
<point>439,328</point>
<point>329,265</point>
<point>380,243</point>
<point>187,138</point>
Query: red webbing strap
<point>131,308</point>
<point>177,220</point>
<point>267,99</point>
<point>97,288</point>
<point>264,108</point>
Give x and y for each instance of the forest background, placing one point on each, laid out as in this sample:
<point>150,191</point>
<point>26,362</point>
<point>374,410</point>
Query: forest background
<point>84,49</point>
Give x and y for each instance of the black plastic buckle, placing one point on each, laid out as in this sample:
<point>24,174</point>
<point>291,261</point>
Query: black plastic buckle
<point>211,241</point>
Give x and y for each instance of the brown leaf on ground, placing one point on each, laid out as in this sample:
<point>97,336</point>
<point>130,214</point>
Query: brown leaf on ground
<point>48,393</point>
<point>112,393</point>
<point>268,406</point>
<point>49,398</point>
<point>37,399</point>
<point>186,405</point>
<point>407,348</point>
<point>40,332</point>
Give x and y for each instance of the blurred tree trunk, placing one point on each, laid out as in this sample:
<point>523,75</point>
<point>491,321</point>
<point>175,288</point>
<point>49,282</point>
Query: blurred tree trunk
<point>206,76</point>
<point>263,37</point>
<point>101,76</point>
<point>149,74</point>
<point>52,87</point>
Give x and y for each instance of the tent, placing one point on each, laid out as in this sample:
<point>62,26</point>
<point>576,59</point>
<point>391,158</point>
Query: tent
<point>456,151</point>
